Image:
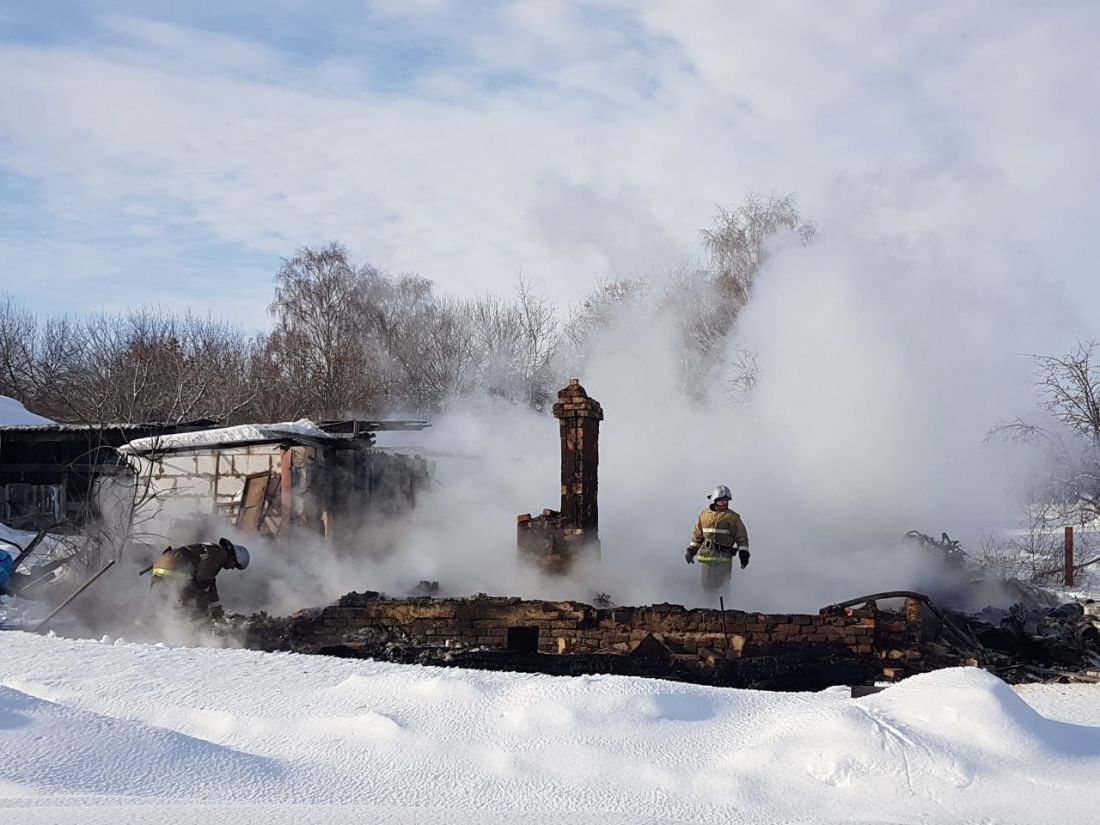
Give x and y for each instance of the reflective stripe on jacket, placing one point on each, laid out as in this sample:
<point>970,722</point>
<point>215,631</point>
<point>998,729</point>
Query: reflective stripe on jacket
<point>723,528</point>
<point>710,554</point>
<point>166,573</point>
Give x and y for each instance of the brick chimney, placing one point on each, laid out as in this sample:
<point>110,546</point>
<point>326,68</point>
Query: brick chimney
<point>557,538</point>
<point>579,418</point>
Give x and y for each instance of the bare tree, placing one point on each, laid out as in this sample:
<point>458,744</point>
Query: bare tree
<point>422,344</point>
<point>600,308</point>
<point>1069,388</point>
<point>608,303</point>
<point>739,379</point>
<point>515,345</point>
<point>1037,553</point>
<point>705,314</point>
<point>707,302</point>
<point>737,243</point>
<point>321,308</point>
<point>539,340</point>
<point>146,366</point>
<point>18,336</point>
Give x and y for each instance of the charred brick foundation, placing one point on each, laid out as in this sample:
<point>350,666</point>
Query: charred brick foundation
<point>785,651</point>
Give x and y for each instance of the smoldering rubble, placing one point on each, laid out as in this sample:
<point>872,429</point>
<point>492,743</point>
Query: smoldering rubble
<point>313,481</point>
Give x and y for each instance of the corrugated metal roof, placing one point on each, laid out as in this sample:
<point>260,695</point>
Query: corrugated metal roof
<point>348,426</point>
<point>67,428</point>
<point>116,425</point>
<point>353,425</point>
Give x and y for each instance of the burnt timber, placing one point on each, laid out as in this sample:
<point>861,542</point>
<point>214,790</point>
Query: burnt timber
<point>736,649</point>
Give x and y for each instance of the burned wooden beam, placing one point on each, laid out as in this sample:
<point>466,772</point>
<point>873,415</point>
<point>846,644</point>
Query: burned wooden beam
<point>31,547</point>
<point>42,624</point>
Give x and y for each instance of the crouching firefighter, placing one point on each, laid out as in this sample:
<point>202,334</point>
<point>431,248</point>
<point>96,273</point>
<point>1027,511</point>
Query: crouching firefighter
<point>719,535</point>
<point>186,576</point>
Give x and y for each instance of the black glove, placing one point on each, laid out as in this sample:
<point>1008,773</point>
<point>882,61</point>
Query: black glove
<point>744,556</point>
<point>689,555</point>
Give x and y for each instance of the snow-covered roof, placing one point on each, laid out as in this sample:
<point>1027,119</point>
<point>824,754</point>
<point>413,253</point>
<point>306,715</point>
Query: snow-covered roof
<point>241,434</point>
<point>14,413</point>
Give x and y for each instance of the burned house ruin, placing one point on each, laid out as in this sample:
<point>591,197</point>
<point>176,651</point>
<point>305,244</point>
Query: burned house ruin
<point>332,481</point>
<point>853,642</point>
<point>555,540</point>
<point>327,479</point>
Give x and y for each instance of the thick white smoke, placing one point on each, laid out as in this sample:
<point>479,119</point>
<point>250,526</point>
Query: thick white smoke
<point>886,351</point>
<point>885,355</point>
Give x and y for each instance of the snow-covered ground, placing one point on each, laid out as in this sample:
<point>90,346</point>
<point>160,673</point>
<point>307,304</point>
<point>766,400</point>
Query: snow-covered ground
<point>112,732</point>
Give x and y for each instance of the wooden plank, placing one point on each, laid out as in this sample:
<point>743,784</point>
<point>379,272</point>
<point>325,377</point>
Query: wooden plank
<point>253,501</point>
<point>269,525</point>
<point>286,482</point>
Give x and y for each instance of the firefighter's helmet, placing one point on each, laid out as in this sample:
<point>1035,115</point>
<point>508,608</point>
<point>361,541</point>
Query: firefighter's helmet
<point>237,552</point>
<point>240,552</point>
<point>721,491</point>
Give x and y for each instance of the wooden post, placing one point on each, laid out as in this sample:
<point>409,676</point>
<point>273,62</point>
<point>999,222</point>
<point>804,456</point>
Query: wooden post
<point>285,492</point>
<point>217,478</point>
<point>1069,557</point>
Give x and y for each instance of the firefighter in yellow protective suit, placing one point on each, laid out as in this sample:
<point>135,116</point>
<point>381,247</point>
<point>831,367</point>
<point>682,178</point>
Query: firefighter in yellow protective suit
<point>186,576</point>
<point>719,536</point>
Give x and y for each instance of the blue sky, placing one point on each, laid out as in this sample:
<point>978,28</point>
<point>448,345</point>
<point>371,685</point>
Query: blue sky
<point>172,153</point>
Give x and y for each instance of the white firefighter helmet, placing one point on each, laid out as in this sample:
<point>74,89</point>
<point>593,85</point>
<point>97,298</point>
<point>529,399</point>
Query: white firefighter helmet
<point>721,491</point>
<point>237,553</point>
<point>242,556</point>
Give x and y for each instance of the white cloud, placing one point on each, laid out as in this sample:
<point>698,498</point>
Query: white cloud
<point>947,151</point>
<point>563,142</point>
<point>159,43</point>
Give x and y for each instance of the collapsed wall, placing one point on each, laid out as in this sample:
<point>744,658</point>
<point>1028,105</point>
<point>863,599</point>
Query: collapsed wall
<point>370,624</point>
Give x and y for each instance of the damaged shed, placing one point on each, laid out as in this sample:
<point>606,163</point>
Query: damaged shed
<point>48,471</point>
<point>324,478</point>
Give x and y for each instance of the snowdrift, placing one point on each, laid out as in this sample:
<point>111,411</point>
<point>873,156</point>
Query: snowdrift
<point>116,732</point>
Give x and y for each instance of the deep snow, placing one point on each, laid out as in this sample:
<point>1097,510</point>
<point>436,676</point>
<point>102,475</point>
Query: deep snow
<point>99,732</point>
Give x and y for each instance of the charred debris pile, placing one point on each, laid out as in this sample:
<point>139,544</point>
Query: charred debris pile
<point>1020,631</point>
<point>858,642</point>
<point>722,647</point>
<point>329,481</point>
<point>871,638</point>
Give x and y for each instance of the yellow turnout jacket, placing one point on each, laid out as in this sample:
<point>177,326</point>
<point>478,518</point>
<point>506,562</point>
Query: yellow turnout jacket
<point>718,534</point>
